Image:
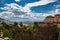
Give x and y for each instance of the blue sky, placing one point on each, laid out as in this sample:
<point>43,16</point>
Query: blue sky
<point>28,10</point>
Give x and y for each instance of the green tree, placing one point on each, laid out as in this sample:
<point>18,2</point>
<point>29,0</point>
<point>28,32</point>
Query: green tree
<point>7,33</point>
<point>15,24</point>
<point>5,25</point>
<point>55,33</point>
<point>1,28</point>
<point>36,23</point>
<point>21,24</point>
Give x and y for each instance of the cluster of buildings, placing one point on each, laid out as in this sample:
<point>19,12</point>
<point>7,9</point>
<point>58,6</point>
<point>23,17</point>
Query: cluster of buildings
<point>53,20</point>
<point>49,19</point>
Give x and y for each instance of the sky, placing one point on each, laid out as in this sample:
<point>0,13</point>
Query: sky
<point>28,10</point>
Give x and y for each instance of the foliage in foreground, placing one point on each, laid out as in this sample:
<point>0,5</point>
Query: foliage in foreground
<point>30,33</point>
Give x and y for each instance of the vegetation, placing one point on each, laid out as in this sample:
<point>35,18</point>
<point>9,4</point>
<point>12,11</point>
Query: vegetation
<point>7,33</point>
<point>35,32</point>
<point>21,24</point>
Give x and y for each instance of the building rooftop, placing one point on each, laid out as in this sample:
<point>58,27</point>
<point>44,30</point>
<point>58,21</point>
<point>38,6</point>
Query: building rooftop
<point>57,15</point>
<point>49,17</point>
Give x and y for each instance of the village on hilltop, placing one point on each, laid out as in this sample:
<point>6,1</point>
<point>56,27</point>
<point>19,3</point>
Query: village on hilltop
<point>49,20</point>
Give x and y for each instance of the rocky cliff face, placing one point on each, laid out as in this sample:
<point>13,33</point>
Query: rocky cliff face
<point>59,34</point>
<point>40,33</point>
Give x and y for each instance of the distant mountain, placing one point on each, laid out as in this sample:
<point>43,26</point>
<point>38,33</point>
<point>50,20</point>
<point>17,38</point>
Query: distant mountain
<point>6,21</point>
<point>1,20</point>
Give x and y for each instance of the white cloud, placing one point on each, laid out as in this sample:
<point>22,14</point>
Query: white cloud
<point>27,7</point>
<point>58,6</point>
<point>7,13</point>
<point>17,0</point>
<point>13,7</point>
<point>6,17</point>
<point>54,12</point>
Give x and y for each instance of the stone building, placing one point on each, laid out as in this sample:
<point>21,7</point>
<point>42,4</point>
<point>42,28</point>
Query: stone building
<point>49,19</point>
<point>55,20</point>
